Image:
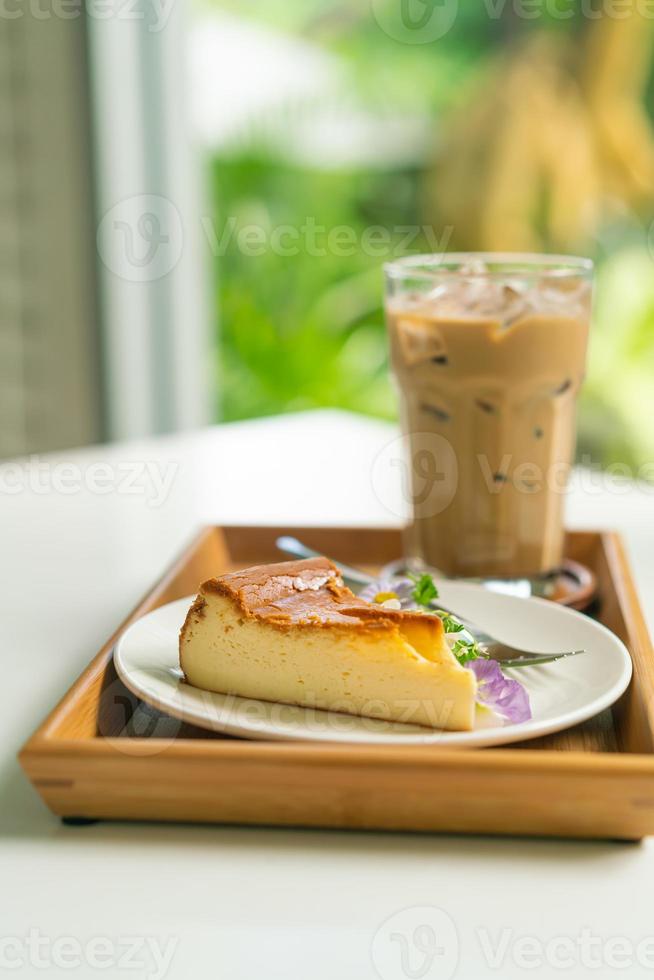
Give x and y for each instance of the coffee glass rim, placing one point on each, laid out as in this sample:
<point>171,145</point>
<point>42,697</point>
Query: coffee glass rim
<point>433,266</point>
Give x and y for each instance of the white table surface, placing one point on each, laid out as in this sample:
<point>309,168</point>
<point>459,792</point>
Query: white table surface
<point>248,903</point>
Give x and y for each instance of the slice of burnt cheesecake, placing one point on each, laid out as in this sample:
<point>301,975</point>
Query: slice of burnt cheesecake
<point>293,633</point>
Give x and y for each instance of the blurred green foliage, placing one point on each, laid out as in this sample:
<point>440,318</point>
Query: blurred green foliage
<point>305,330</point>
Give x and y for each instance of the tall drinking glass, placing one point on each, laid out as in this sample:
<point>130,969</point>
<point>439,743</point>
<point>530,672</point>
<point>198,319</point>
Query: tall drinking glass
<point>488,352</point>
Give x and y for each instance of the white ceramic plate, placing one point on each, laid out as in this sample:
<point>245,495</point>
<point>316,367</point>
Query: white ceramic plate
<point>561,694</point>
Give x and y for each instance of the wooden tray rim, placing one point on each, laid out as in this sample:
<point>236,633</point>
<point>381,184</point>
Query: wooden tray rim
<point>43,744</point>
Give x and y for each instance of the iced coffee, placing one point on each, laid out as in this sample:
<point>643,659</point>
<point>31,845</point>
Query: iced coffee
<point>488,353</point>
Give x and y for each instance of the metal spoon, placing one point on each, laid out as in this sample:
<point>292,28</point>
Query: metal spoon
<point>508,655</point>
<point>542,586</point>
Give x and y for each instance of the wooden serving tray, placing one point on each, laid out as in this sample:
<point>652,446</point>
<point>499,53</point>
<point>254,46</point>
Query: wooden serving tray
<point>103,754</point>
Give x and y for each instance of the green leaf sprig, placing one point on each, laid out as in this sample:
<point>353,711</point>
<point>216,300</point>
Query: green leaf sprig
<point>467,650</point>
<point>423,594</point>
<point>464,650</point>
<point>424,591</point>
<point>450,623</point>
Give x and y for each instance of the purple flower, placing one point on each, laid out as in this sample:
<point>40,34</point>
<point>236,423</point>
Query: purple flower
<point>506,697</point>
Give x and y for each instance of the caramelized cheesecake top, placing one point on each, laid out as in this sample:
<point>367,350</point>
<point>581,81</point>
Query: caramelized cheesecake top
<point>305,592</point>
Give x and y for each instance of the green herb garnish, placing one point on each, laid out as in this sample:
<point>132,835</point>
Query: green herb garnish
<point>464,650</point>
<point>424,589</point>
<point>467,650</point>
<point>450,624</point>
